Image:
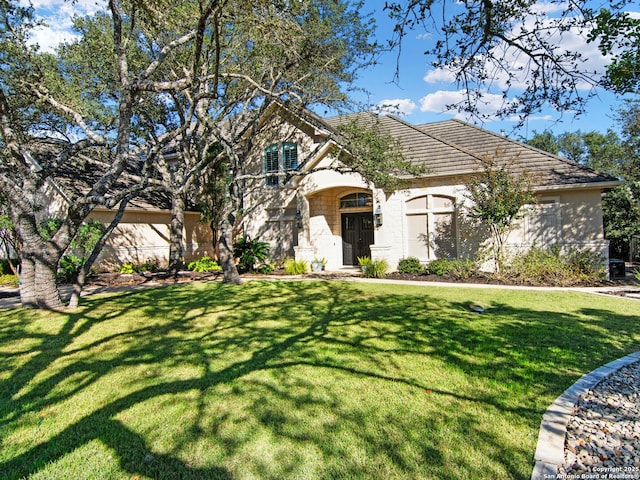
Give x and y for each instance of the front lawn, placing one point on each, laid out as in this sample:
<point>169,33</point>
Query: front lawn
<point>276,380</point>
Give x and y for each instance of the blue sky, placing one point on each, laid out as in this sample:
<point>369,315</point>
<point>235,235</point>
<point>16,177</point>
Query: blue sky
<point>420,91</point>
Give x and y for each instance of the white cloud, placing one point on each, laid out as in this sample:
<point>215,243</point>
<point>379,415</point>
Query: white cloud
<point>438,102</point>
<point>518,64</point>
<point>58,15</point>
<point>439,75</point>
<point>398,106</point>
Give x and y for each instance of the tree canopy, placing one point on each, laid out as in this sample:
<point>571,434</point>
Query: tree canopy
<point>517,49</point>
<point>147,78</point>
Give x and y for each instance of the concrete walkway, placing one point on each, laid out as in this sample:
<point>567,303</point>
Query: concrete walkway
<point>10,297</point>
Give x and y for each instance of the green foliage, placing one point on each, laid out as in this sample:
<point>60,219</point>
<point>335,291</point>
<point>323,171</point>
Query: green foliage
<point>497,197</point>
<point>296,267</point>
<point>440,267</point>
<point>619,34</point>
<point>545,141</point>
<point>149,265</point>
<point>457,268</point>
<point>266,268</point>
<point>8,280</point>
<point>204,264</point>
<point>636,274</point>
<point>376,155</point>
<point>127,269</point>
<point>49,227</point>
<point>410,265</point>
<point>621,207</point>
<point>373,268</point>
<point>250,254</point>
<point>88,235</point>
<point>69,268</point>
<point>539,266</point>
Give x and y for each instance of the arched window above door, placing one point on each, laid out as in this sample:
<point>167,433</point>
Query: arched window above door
<point>358,199</point>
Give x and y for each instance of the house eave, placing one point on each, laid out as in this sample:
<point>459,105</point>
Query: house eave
<point>579,186</point>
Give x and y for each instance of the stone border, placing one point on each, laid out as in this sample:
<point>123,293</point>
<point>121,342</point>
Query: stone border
<point>553,429</point>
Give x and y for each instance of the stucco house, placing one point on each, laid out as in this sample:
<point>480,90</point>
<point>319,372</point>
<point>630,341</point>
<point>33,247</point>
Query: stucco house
<point>295,200</point>
<point>142,235</point>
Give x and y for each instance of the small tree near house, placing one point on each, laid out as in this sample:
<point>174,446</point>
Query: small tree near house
<point>497,197</point>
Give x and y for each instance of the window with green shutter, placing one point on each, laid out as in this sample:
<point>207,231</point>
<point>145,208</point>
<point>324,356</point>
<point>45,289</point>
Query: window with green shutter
<point>289,156</point>
<point>271,165</point>
<point>279,158</point>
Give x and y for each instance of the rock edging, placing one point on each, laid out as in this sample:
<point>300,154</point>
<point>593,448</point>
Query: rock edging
<point>550,451</point>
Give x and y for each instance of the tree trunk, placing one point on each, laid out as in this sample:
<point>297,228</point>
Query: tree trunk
<point>176,244</point>
<point>38,286</point>
<point>231,274</point>
<point>27,281</point>
<point>47,294</point>
<point>215,244</point>
<point>93,256</point>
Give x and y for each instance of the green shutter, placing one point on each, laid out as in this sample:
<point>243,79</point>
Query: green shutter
<point>270,164</point>
<point>289,156</point>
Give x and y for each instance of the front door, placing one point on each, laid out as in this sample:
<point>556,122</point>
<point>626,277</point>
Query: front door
<point>357,236</point>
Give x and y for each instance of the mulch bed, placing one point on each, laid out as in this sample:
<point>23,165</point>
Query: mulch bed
<point>118,279</point>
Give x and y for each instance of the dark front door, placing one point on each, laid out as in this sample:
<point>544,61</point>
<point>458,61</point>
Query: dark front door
<point>357,236</point>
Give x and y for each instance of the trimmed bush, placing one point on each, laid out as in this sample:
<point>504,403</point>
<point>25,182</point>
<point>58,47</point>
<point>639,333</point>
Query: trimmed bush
<point>457,268</point>
<point>410,265</point>
<point>440,267</point>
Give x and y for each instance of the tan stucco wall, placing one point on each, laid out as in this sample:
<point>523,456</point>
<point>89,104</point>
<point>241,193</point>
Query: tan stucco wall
<point>143,235</point>
<point>270,212</point>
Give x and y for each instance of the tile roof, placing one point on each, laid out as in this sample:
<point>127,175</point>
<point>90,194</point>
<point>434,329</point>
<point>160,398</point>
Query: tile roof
<point>453,147</point>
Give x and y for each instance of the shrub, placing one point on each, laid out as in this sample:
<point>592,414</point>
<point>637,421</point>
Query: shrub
<point>549,267</point>
<point>9,280</point>
<point>149,265</point>
<point>586,264</point>
<point>410,265</point>
<point>296,267</point>
<point>373,268</point>
<point>440,267</point>
<point>69,268</point>
<point>456,268</point>
<point>126,268</point>
<point>250,253</point>
<point>204,264</point>
<point>266,268</point>
<point>463,268</point>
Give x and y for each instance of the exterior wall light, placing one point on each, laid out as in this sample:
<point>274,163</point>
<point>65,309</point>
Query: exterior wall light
<point>298,218</point>
<point>377,217</point>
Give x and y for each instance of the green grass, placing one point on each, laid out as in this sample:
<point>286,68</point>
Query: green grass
<point>296,380</point>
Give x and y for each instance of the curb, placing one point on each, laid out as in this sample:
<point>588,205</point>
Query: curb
<point>553,429</point>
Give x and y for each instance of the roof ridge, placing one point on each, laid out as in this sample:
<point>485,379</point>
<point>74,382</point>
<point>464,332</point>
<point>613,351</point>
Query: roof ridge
<point>438,139</point>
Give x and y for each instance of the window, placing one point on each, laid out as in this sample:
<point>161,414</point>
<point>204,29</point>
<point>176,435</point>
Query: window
<point>543,222</point>
<point>356,200</point>
<point>432,227</point>
<point>279,158</point>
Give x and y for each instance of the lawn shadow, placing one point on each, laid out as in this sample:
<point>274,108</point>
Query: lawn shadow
<point>232,333</point>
